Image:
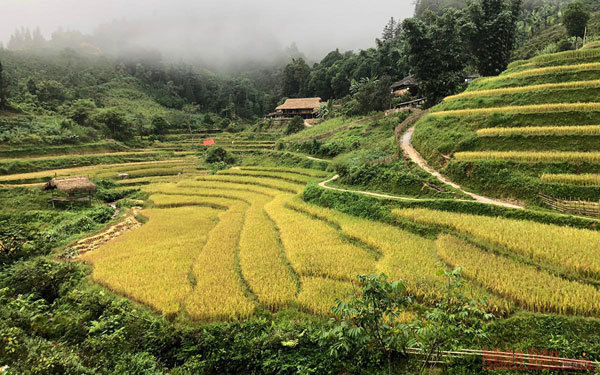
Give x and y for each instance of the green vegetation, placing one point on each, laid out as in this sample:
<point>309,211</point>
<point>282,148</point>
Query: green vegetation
<point>537,118</point>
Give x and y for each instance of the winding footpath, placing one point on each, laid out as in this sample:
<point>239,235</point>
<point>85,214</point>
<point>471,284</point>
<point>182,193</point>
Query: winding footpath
<point>413,154</point>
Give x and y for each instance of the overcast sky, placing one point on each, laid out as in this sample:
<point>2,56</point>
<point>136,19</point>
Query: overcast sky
<point>217,27</point>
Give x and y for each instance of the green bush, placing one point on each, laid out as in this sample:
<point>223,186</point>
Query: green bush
<point>295,126</point>
<point>218,155</point>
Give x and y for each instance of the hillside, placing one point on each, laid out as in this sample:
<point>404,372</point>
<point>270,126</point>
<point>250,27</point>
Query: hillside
<point>533,129</point>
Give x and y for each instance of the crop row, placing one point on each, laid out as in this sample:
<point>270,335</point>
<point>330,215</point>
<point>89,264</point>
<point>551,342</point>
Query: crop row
<point>525,89</point>
<point>291,177</point>
<point>405,255</point>
<point>530,156</point>
<point>556,57</point>
<point>151,263</point>
<point>284,186</point>
<point>549,70</point>
<point>298,171</point>
<point>586,179</point>
<point>533,289</point>
<point>315,249</point>
<point>523,109</point>
<point>554,131</point>
<point>572,251</point>
<point>218,292</point>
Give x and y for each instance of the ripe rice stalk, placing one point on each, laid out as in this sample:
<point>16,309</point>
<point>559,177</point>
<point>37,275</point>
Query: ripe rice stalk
<point>530,156</point>
<point>262,261</point>
<point>219,291</point>
<point>525,89</point>
<point>151,264</point>
<point>533,289</point>
<point>555,57</point>
<point>315,248</point>
<point>587,179</point>
<point>318,294</point>
<point>549,131</point>
<point>523,109</point>
<point>290,177</point>
<point>299,171</point>
<point>570,250</point>
<point>549,70</point>
<point>405,255</point>
<point>284,186</point>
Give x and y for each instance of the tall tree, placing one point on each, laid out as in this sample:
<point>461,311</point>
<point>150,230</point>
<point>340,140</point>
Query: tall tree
<point>391,30</point>
<point>3,94</point>
<point>437,53</point>
<point>295,75</point>
<point>575,19</point>
<point>493,33</point>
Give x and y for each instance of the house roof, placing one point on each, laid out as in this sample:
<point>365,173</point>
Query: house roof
<point>71,185</point>
<point>300,103</point>
<point>409,81</point>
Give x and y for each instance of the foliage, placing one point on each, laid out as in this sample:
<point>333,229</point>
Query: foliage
<point>371,95</point>
<point>437,53</point>
<point>575,19</point>
<point>371,322</point>
<point>117,124</point>
<point>218,155</point>
<point>294,77</point>
<point>295,125</point>
<point>493,33</point>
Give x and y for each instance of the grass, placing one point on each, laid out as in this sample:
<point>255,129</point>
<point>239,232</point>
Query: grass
<point>586,179</point>
<point>548,131</point>
<point>322,128</point>
<point>572,251</point>
<point>554,58</point>
<point>531,288</point>
<point>523,109</point>
<point>577,85</point>
<point>530,156</point>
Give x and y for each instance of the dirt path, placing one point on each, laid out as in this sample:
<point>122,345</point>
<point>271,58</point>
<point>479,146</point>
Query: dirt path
<point>412,154</point>
<point>94,241</point>
<point>378,195</point>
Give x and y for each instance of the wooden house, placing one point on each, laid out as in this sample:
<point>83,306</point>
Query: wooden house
<point>407,85</point>
<point>303,107</point>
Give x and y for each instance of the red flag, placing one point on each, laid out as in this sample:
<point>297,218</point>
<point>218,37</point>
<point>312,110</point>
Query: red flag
<point>210,142</point>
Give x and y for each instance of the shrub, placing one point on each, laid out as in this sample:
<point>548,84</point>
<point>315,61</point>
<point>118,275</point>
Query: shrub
<point>219,155</point>
<point>294,126</point>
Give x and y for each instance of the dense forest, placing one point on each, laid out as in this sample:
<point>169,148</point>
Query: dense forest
<point>69,89</point>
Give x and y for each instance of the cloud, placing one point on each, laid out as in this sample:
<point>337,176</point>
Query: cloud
<point>214,29</point>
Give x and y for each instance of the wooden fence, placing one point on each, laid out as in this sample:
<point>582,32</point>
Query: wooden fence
<point>575,207</point>
<point>503,360</point>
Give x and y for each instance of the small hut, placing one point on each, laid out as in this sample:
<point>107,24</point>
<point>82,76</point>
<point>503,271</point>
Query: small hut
<point>70,189</point>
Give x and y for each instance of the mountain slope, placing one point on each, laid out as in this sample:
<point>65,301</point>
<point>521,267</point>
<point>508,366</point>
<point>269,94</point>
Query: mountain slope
<point>533,129</point>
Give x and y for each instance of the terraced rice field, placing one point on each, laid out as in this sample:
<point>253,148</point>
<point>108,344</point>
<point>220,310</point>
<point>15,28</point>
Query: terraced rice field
<point>220,247</point>
<point>508,136</point>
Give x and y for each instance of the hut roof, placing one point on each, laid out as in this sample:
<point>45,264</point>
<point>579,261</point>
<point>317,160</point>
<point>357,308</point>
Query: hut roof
<point>300,103</point>
<point>71,185</point>
<point>409,81</point>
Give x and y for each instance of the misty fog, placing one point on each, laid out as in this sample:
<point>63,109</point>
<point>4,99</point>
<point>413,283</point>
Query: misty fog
<point>216,32</point>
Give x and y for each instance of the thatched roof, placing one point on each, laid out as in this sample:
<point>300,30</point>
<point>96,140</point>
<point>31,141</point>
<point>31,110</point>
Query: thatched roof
<point>71,185</point>
<point>300,103</point>
<point>409,81</point>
